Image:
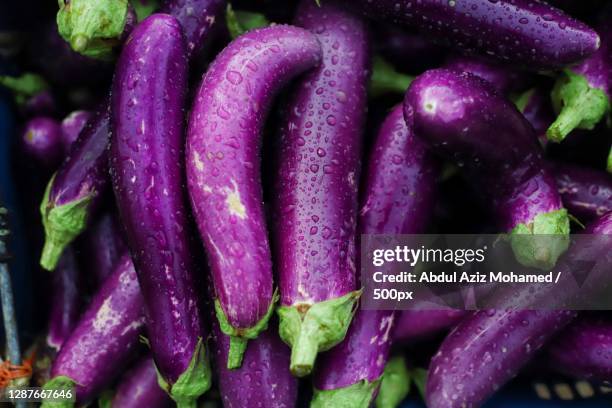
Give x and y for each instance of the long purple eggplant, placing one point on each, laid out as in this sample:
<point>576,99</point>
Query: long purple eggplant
<point>584,349</point>
<point>535,105</point>
<point>582,94</point>
<point>104,339</point>
<point>499,153</point>
<point>316,187</point>
<point>586,193</point>
<point>415,325</point>
<point>501,77</point>
<point>75,191</point>
<point>42,141</point>
<point>66,300</point>
<point>223,171</point>
<point>138,388</point>
<point>72,125</point>
<point>263,380</point>
<point>489,347</point>
<point>397,199</point>
<point>526,32</point>
<point>148,102</point>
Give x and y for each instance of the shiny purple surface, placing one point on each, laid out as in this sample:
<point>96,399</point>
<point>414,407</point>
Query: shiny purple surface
<point>103,243</point>
<point>462,118</point>
<point>319,162</point>
<point>42,141</point>
<point>525,32</point>
<point>106,336</point>
<point>584,350</point>
<point>398,197</point>
<point>586,193</point>
<point>223,161</point>
<point>263,379</point>
<point>416,325</point>
<point>597,69</point>
<point>500,76</point>
<point>138,388</point>
<point>146,153</point>
<point>539,112</point>
<point>72,125</point>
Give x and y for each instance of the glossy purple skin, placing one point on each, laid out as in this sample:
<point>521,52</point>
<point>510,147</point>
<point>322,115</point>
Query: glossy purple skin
<point>539,112</point>
<point>72,125</point>
<point>586,193</point>
<point>319,156</point>
<point>584,350</point>
<point>84,172</point>
<point>223,161</point>
<point>501,77</point>
<point>525,32</point>
<point>489,347</point>
<point>66,299</point>
<point>416,325</point>
<point>398,197</point>
<point>106,336</point>
<point>103,243</point>
<point>196,17</point>
<point>138,388</point>
<point>462,118</point>
<point>42,141</point>
<point>263,379</point>
<point>148,102</point>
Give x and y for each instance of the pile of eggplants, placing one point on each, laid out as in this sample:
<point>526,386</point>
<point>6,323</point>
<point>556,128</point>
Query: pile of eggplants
<point>197,176</point>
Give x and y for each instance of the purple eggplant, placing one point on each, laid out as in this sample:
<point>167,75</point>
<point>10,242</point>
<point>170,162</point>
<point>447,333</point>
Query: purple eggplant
<point>148,100</point>
<point>102,245</point>
<point>196,17</point>
<point>42,142</point>
<point>582,93</point>
<point>489,347</point>
<point>104,339</point>
<point>525,32</point>
<point>415,325</point>
<point>75,191</point>
<point>263,380</point>
<point>95,28</point>
<point>223,171</point>
<point>499,153</point>
<point>398,198</point>
<point>318,177</point>
<point>72,125</point>
<point>501,77</point>
<point>584,350</point>
<point>537,109</point>
<point>139,388</point>
<point>586,193</point>
<point>66,300</point>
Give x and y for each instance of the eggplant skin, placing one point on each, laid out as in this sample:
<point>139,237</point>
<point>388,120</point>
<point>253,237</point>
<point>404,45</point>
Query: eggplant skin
<point>529,33</point>
<point>148,100</point>
<point>415,325</point>
<point>138,388</point>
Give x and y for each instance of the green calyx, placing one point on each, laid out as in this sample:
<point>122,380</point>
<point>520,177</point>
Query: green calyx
<point>24,86</point>
<point>386,79</point>
<point>319,328</point>
<point>522,100</point>
<point>144,8</point>
<point>609,164</point>
<point>239,22</point>
<point>395,384</point>
<point>92,28</point>
<point>105,400</point>
<point>62,224</point>
<point>540,243</point>
<point>580,106</point>
<point>358,395</point>
<point>59,383</point>
<point>195,381</point>
<point>239,337</point>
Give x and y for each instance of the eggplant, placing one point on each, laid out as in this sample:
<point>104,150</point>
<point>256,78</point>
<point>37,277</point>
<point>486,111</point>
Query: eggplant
<point>529,33</point>
<point>501,77</point>
<point>581,95</point>
<point>263,380</point>
<point>416,325</point>
<point>76,189</point>
<point>104,339</point>
<point>584,350</point>
<point>223,171</point>
<point>535,105</point>
<point>398,197</point>
<point>139,388</point>
<point>145,159</point>
<point>461,117</point>
<point>72,125</point>
<point>41,141</point>
<point>586,193</point>
<point>489,347</point>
